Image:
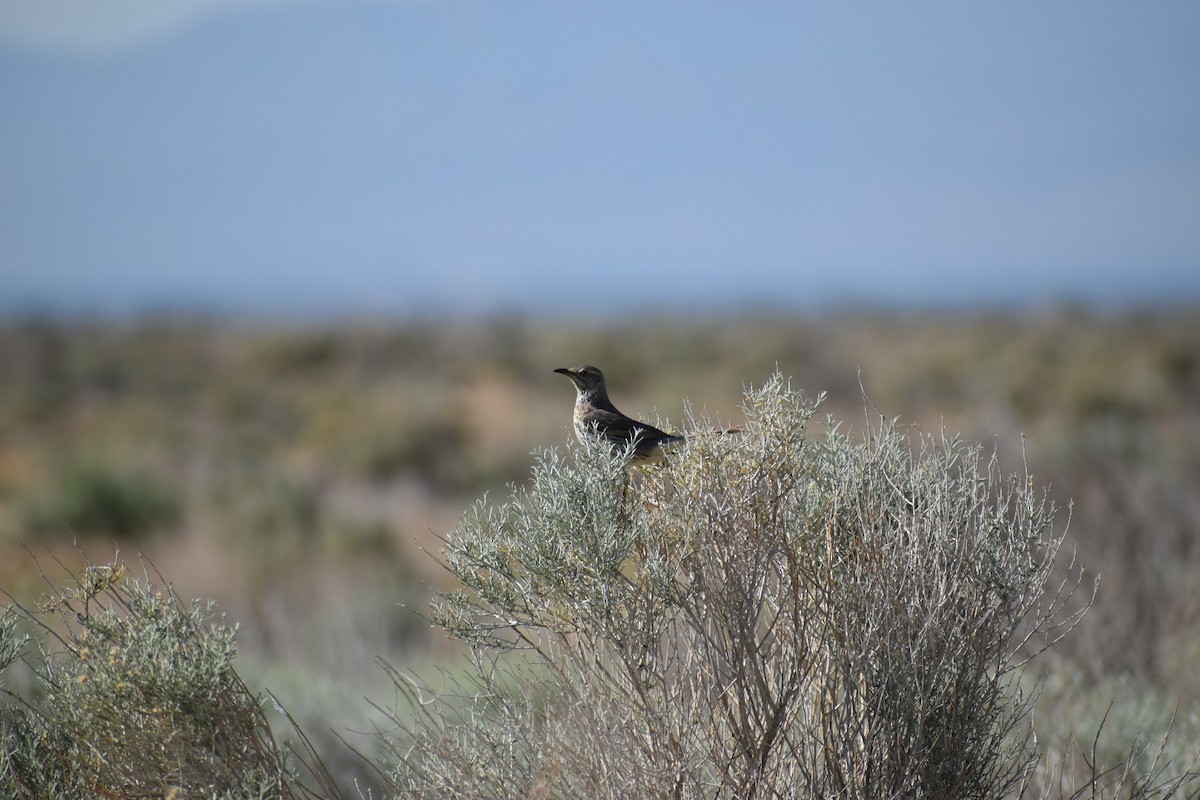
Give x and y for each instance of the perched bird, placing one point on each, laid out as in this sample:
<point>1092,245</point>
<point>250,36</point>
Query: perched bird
<point>595,415</point>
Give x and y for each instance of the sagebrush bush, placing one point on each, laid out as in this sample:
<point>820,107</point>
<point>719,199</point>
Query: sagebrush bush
<point>135,696</point>
<point>774,614</point>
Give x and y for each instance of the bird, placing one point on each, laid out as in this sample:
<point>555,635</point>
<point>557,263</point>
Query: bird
<point>595,415</point>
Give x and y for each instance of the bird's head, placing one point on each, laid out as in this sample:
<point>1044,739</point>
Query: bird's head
<point>587,379</point>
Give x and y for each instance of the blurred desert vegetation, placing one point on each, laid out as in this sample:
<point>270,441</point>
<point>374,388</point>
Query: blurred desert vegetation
<point>295,473</point>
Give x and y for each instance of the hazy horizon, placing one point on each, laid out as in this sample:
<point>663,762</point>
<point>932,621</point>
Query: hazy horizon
<point>321,159</point>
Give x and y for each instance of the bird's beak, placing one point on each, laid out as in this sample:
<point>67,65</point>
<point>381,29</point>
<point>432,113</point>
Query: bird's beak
<point>564,371</point>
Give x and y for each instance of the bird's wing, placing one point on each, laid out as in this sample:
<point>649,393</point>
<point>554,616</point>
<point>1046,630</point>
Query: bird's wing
<point>620,429</point>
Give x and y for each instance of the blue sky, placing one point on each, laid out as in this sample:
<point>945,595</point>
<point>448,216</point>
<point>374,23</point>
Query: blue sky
<point>345,157</point>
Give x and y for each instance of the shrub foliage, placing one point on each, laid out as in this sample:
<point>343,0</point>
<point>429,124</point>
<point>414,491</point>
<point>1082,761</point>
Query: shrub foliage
<point>774,614</point>
<point>133,695</point>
